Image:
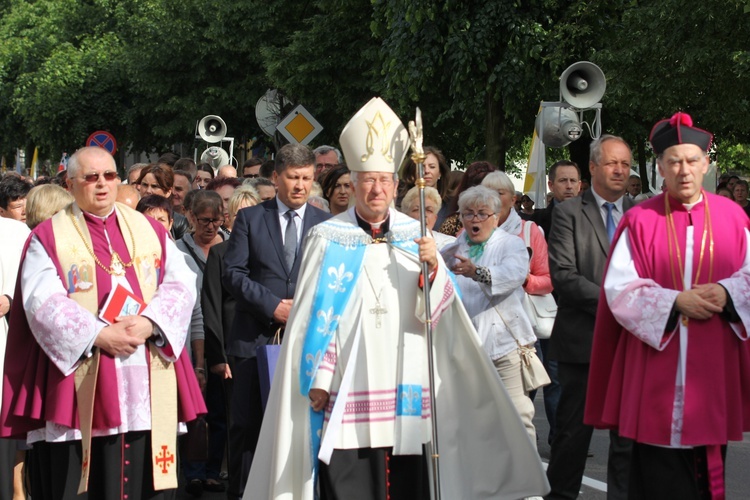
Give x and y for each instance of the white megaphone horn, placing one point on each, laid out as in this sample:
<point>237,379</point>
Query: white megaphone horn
<point>212,129</point>
<point>582,84</point>
<point>215,156</point>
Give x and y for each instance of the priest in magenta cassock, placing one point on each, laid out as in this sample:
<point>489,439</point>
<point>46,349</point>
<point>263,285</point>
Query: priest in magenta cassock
<point>671,364</point>
<point>349,410</point>
<point>100,401</point>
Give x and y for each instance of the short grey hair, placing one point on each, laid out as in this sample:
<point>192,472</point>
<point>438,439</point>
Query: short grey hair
<point>185,174</point>
<point>135,167</point>
<point>321,150</point>
<point>411,198</point>
<point>477,196</point>
<point>258,181</point>
<point>319,202</point>
<point>73,163</point>
<point>499,180</point>
<point>595,149</point>
<point>293,155</point>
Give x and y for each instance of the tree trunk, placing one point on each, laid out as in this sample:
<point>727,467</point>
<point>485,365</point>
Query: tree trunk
<point>579,153</point>
<point>642,165</point>
<point>494,135</point>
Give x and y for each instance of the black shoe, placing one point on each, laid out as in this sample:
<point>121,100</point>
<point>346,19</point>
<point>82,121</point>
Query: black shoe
<point>214,487</point>
<point>194,487</point>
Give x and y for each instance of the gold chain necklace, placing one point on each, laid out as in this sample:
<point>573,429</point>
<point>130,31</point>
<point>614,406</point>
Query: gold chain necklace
<point>117,266</point>
<point>674,247</point>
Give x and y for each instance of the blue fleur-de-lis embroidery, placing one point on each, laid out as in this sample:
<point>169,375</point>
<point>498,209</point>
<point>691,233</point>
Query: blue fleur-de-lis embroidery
<point>329,322</point>
<point>313,361</point>
<point>409,400</point>
<point>340,276</point>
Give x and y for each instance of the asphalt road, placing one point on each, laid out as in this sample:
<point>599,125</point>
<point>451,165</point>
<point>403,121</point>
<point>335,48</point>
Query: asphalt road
<point>595,477</point>
<point>594,487</point>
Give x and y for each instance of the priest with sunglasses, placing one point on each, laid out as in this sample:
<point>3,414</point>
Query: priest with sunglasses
<point>96,376</point>
<point>670,360</point>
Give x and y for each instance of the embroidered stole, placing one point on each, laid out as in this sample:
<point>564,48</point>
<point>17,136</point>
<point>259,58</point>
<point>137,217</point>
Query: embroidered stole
<point>80,280</point>
<point>342,268</point>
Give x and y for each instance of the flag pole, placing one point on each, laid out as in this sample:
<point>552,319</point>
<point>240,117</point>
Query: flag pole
<point>418,157</point>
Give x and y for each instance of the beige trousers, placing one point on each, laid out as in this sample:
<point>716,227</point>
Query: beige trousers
<point>509,369</point>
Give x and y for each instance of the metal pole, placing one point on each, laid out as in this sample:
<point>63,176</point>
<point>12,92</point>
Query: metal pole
<point>418,157</point>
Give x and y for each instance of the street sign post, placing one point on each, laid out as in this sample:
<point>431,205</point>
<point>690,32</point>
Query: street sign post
<point>299,126</point>
<point>103,139</point>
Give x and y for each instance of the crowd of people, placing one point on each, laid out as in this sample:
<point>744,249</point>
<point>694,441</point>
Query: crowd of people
<point>322,250</point>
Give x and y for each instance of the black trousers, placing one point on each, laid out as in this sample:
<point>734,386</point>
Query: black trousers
<point>658,473</point>
<point>572,439</point>
<point>7,460</point>
<point>120,465</point>
<point>246,417</point>
<point>374,474</point>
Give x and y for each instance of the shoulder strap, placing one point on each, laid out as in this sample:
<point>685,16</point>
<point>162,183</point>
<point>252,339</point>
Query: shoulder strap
<point>527,233</point>
<point>201,265</point>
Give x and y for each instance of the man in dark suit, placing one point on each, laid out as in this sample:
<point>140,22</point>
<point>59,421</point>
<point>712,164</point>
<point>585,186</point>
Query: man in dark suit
<point>260,271</point>
<point>564,181</point>
<point>580,234</point>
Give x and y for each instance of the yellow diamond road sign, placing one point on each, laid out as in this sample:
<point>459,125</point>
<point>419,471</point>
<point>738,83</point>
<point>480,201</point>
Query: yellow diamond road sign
<point>299,126</point>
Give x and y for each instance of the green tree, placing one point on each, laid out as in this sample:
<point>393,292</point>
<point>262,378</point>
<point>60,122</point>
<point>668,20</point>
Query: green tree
<point>678,55</point>
<point>330,63</point>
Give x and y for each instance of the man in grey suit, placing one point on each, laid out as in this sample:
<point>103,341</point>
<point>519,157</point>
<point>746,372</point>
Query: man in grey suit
<point>260,271</point>
<point>581,231</point>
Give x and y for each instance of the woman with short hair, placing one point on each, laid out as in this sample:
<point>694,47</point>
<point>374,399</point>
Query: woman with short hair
<point>411,206</point>
<point>44,201</point>
<point>491,266</point>
<point>337,189</point>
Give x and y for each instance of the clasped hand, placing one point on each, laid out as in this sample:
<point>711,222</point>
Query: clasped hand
<point>702,301</point>
<point>123,337</point>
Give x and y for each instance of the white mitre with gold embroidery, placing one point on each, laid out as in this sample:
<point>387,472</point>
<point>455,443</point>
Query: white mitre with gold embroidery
<point>374,140</point>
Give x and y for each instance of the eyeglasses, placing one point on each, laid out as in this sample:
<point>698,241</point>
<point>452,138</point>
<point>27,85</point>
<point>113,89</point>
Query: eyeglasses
<point>251,176</point>
<point>206,221</point>
<point>108,176</point>
<point>480,217</point>
<point>325,166</point>
<point>370,181</point>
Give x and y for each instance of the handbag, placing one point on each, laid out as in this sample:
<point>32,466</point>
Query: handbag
<point>541,309</point>
<point>533,374</point>
<point>267,357</point>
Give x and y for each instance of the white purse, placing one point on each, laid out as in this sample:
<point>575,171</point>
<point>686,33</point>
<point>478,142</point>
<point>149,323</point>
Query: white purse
<point>541,309</point>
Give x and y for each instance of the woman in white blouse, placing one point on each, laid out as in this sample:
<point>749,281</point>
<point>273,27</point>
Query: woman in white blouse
<point>491,266</point>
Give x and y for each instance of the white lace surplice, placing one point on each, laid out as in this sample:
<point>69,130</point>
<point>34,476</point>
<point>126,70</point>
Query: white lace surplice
<point>66,333</point>
<point>643,308</point>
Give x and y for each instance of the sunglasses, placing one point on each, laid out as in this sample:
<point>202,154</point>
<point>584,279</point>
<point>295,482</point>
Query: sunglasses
<point>108,176</point>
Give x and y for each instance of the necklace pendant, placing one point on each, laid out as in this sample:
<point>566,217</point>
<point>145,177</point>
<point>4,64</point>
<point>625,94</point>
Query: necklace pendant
<point>378,311</point>
<point>116,266</point>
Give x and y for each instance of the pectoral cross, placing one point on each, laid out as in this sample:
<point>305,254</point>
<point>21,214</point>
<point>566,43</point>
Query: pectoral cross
<point>378,311</point>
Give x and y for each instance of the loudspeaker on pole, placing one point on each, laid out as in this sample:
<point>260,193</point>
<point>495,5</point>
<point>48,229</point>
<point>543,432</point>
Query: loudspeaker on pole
<point>582,84</point>
<point>212,129</point>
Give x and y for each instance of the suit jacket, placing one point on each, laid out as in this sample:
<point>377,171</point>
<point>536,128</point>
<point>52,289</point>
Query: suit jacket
<point>543,218</point>
<point>578,247</point>
<point>256,273</point>
<point>218,306</point>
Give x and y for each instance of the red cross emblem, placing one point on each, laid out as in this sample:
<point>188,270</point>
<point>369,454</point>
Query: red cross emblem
<point>164,459</point>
